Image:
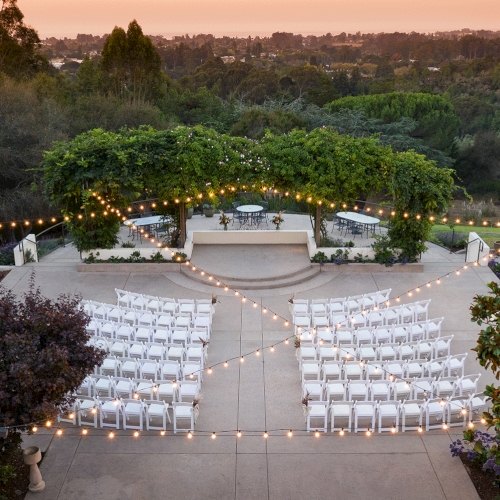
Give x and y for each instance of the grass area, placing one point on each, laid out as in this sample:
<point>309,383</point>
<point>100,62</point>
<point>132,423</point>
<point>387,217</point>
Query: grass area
<point>488,234</point>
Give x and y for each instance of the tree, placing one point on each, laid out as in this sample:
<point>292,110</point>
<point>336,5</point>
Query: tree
<point>132,63</point>
<point>19,43</point>
<point>437,121</point>
<point>45,355</point>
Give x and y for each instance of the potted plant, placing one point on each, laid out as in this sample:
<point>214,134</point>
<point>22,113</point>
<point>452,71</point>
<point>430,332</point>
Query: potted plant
<point>190,212</point>
<point>208,210</point>
<point>330,216</point>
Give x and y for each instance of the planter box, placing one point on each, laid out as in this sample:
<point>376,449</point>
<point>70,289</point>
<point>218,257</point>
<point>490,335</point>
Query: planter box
<point>143,268</point>
<point>370,268</point>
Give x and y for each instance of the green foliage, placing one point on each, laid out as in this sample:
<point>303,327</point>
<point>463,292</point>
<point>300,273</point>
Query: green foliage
<point>116,260</point>
<point>158,257</point>
<point>135,257</point>
<point>437,122</point>
<point>45,355</point>
<point>127,244</point>
<point>7,473</point>
<point>320,257</point>
<point>485,310</point>
<point>92,259</point>
<point>179,257</point>
<point>384,253</point>
<point>417,188</point>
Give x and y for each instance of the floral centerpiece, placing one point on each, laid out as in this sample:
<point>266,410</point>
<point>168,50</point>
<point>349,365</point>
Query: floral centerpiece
<point>224,220</point>
<point>278,220</point>
<point>196,406</point>
<point>214,299</point>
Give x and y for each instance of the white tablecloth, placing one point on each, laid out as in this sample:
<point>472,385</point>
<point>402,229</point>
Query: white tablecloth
<point>249,209</point>
<point>147,221</point>
<point>359,218</point>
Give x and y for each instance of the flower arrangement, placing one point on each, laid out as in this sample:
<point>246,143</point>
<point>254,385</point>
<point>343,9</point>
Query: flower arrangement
<point>204,342</point>
<point>224,220</point>
<point>214,299</point>
<point>196,401</point>
<point>291,299</point>
<point>278,220</point>
<point>296,342</point>
<point>306,399</point>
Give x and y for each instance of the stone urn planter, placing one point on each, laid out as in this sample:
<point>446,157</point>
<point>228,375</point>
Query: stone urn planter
<point>497,245</point>
<point>208,211</point>
<point>190,212</point>
<point>32,456</point>
<point>330,216</point>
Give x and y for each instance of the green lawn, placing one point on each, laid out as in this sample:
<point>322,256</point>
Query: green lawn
<point>488,234</point>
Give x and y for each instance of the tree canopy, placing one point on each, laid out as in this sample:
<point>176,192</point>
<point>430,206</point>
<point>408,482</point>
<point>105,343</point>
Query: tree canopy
<point>437,122</point>
<point>99,171</point>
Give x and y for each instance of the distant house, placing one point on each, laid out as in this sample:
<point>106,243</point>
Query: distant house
<point>228,59</point>
<point>432,68</point>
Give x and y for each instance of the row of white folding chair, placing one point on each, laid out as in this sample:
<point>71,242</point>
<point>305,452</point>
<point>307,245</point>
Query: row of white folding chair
<point>373,414</point>
<point>153,303</point>
<point>402,314</point>
<point>399,389</point>
<point>385,334</point>
<point>352,303</point>
<point>184,388</point>
<point>154,319</point>
<point>408,351</point>
<point>148,367</point>
<point>124,331</point>
<point>112,412</point>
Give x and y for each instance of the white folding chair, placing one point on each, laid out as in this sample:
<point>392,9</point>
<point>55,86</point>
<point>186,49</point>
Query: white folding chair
<point>156,410</point>
<point>336,390</point>
<point>408,350</point>
<point>318,413</point>
<point>332,370</point>
<point>352,370</point>
<point>118,348</point>
<point>145,387</point>
<point>345,336</point>
<point>155,350</point>
<point>383,334</point>
<point>123,298</point>
<point>175,352</point>
<point>166,389</point>
<point>124,331</point>
<point>436,367</point>
<point>468,385</point>
<point>358,390</point>
<point>363,335</point>
<point>435,409</point>
<point>109,407</point>
<point>133,408</point>
<point>402,389</point>
<point>423,386</point>
<point>422,310</point>
<point>388,352</point>
<point>457,411</point>
<point>381,390</point>
<point>337,305</point>
<point>205,306</point>
<point>129,366</point>
<point>168,305</point>
<point>455,365</point>
<point>415,368</point>
<point>388,411</point>
<point>136,349</point>
<point>319,306</point>
<point>143,333</point>
<point>314,389</point>
<point>183,412</point>
<point>301,321</point>
<point>442,346</point>
<point>123,386</point>
<point>102,384</point>
<point>341,410</point>
<point>148,368</point>
<point>186,306</point>
<point>477,404</point>
<point>86,406</point>
<point>433,327</point>
<point>164,320</point>
<point>310,369</point>
<point>412,410</point>
<point>445,387</point>
<point>187,390</point>
<point>169,370</point>
<point>299,306</point>
<point>192,370</point>
<point>366,411</point>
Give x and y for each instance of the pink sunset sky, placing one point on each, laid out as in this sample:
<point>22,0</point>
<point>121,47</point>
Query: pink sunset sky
<point>258,17</point>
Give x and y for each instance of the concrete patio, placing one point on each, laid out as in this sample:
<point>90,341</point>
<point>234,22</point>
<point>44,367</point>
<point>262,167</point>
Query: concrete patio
<point>263,393</point>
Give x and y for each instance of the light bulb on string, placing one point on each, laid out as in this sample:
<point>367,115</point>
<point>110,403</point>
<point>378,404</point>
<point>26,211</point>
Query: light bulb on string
<point>214,435</point>
<point>290,433</point>
<point>189,435</point>
<point>85,431</point>
<point>342,432</point>
<point>266,435</point>
<point>238,434</point>
<point>226,364</point>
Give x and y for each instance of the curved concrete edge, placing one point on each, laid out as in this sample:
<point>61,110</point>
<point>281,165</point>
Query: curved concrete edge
<point>370,268</point>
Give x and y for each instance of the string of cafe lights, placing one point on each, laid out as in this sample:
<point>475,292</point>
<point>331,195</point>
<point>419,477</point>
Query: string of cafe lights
<point>271,348</point>
<point>153,202</point>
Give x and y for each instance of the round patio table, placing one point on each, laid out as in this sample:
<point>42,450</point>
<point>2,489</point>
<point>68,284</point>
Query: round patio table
<point>147,221</point>
<point>353,218</point>
<point>250,210</point>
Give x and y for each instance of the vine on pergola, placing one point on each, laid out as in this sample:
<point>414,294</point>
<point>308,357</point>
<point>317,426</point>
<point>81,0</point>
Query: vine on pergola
<point>189,164</point>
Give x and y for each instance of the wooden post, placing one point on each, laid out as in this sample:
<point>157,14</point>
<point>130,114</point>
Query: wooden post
<point>317,225</point>
<point>182,222</point>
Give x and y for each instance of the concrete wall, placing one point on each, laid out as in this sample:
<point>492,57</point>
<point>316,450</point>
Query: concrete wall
<point>478,250</point>
<point>29,243</point>
<point>127,252</point>
<point>281,237</point>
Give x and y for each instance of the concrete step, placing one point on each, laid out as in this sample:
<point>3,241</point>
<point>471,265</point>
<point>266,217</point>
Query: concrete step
<point>284,280</point>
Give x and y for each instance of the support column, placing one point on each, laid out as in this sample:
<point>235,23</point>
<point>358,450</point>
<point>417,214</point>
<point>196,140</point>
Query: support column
<point>182,222</point>
<point>317,225</point>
